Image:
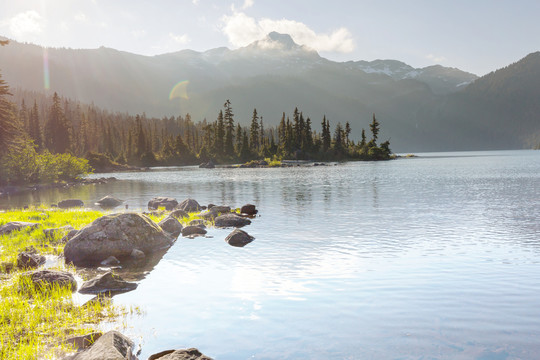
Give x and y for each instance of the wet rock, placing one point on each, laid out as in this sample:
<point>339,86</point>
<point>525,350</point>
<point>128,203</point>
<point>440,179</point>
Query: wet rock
<point>210,206</point>
<point>197,222</point>
<point>215,211</point>
<point>110,346</point>
<point>29,260</point>
<point>171,225</point>
<point>189,205</point>
<point>107,283</point>
<point>207,165</point>
<point>109,202</point>
<point>83,341</point>
<point>115,235</point>
<point>49,278</point>
<point>70,203</point>
<point>9,227</point>
<point>166,202</point>
<point>193,230</point>
<point>184,354</point>
<point>110,261</point>
<point>239,238</point>
<point>249,209</point>
<point>179,214</point>
<point>231,220</point>
<point>137,254</point>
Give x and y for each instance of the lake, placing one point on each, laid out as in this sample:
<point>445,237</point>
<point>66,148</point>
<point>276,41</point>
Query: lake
<point>434,257</point>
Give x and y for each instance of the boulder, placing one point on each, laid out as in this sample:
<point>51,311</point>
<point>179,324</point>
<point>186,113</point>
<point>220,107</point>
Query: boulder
<point>231,220</point>
<point>193,230</point>
<point>189,205</point>
<point>48,278</point>
<point>110,346</point>
<point>215,211</point>
<point>70,235</point>
<point>197,222</point>
<point>9,227</point>
<point>171,225</point>
<point>83,341</point>
<point>137,254</point>
<point>109,202</point>
<point>184,354</point>
<point>239,238</point>
<point>110,261</point>
<point>115,235</point>
<point>107,283</point>
<point>207,165</point>
<point>179,214</point>
<point>166,202</point>
<point>249,209</point>
<point>70,203</point>
<point>29,260</point>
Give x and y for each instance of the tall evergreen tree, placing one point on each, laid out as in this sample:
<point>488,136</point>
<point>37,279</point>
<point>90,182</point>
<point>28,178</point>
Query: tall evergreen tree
<point>325,135</point>
<point>34,128</point>
<point>9,128</point>
<point>219,134</point>
<point>228,118</point>
<point>57,137</point>
<point>374,126</point>
<point>254,132</point>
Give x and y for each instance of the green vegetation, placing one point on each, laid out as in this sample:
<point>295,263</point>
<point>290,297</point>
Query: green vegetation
<point>33,322</point>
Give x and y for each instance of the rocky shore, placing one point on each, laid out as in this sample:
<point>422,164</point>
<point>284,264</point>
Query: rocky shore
<point>122,240</point>
<point>14,189</point>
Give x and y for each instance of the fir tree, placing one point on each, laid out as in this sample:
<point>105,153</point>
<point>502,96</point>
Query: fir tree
<point>228,118</point>
<point>57,129</point>
<point>254,132</point>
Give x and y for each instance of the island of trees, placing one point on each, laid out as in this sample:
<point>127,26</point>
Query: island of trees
<point>49,138</point>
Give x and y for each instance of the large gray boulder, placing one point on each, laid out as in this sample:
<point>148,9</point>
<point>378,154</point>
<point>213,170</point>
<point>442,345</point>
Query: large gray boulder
<point>110,346</point>
<point>46,279</point>
<point>249,209</point>
<point>107,283</point>
<point>9,227</point>
<point>193,231</point>
<point>184,354</point>
<point>115,235</point>
<point>231,220</point>
<point>189,205</point>
<point>70,203</point>
<point>166,202</point>
<point>239,238</point>
<point>171,225</point>
<point>109,202</point>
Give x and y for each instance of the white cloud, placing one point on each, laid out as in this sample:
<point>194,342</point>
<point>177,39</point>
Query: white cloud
<point>195,2</point>
<point>25,24</point>
<point>247,4</point>
<point>180,39</point>
<point>242,30</point>
<point>435,59</point>
<point>138,33</point>
<point>81,17</point>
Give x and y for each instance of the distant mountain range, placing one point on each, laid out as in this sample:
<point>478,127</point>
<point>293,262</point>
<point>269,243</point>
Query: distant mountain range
<point>429,109</point>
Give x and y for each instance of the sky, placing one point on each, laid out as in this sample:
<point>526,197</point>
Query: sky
<point>477,36</point>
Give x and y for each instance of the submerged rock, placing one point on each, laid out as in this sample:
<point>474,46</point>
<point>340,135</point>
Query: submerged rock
<point>184,354</point>
<point>109,202</point>
<point>107,283</point>
<point>166,202</point>
<point>9,227</point>
<point>110,346</point>
<point>239,238</point>
<point>70,203</point>
<point>231,220</point>
<point>115,235</point>
<point>189,205</point>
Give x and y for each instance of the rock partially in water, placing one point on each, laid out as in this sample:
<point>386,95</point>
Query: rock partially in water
<point>107,283</point>
<point>171,225</point>
<point>46,279</point>
<point>197,222</point>
<point>166,202</point>
<point>231,220</point>
<point>9,227</point>
<point>109,202</point>
<point>29,260</point>
<point>189,205</point>
<point>249,209</point>
<point>193,230</point>
<point>179,214</point>
<point>184,354</point>
<point>115,235</point>
<point>239,238</point>
<point>70,203</point>
<point>215,211</point>
<point>208,165</point>
<point>110,346</point>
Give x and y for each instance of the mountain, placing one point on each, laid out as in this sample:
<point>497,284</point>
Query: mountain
<point>428,109</point>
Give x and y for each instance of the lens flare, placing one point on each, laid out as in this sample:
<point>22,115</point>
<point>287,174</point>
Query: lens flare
<point>46,78</point>
<point>179,90</point>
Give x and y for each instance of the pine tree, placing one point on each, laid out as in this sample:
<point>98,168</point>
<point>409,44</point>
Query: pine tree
<point>34,128</point>
<point>325,135</point>
<point>254,132</point>
<point>219,135</point>
<point>228,118</point>
<point>261,132</point>
<point>9,128</point>
<point>374,126</point>
<point>347,132</point>
<point>57,129</point>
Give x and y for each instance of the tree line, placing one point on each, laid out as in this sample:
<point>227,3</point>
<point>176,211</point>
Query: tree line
<point>53,125</point>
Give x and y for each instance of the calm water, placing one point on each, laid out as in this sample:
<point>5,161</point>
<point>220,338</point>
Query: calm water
<point>436,257</point>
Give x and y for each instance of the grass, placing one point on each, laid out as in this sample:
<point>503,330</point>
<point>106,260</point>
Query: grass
<point>34,321</point>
